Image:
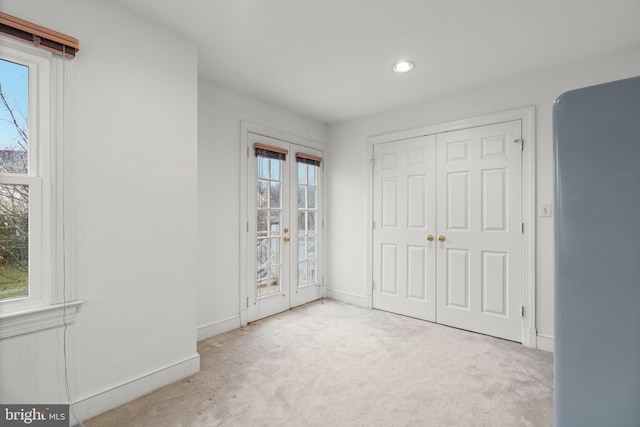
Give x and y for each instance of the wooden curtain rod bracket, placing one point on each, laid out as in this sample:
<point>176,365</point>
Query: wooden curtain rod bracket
<point>38,36</point>
<point>309,157</point>
<point>271,148</point>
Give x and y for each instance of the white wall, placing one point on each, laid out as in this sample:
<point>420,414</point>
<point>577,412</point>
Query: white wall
<point>133,164</point>
<point>220,112</point>
<point>347,173</point>
<point>137,122</point>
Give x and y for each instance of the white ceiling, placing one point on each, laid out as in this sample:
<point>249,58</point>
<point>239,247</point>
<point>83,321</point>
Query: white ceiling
<point>331,60</point>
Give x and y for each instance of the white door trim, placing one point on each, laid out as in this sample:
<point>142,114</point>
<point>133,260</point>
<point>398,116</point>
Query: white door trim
<point>246,128</point>
<point>527,115</point>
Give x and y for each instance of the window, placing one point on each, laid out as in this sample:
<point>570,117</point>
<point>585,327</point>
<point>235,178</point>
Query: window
<point>14,196</point>
<point>33,292</point>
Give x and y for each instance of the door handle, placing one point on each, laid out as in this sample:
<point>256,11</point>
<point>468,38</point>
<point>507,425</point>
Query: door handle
<point>441,238</point>
<point>286,239</point>
<point>430,237</point>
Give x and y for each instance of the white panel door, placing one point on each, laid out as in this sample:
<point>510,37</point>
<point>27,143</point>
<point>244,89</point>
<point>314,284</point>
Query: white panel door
<point>404,220</point>
<point>479,230</point>
<point>285,217</point>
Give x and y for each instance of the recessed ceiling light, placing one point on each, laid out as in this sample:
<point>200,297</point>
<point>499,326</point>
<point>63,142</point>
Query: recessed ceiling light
<point>403,66</point>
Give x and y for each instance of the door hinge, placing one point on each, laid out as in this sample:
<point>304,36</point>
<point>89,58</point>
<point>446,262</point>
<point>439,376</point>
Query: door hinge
<point>522,311</point>
<point>521,142</point>
<point>247,302</point>
<point>372,162</point>
<point>522,227</point>
<point>373,225</point>
<point>247,226</point>
<point>247,152</point>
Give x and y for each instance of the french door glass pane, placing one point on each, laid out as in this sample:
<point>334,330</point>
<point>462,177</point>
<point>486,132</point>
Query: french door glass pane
<point>262,223</point>
<point>262,279</point>
<point>263,193</point>
<point>302,189</point>
<point>274,222</point>
<point>311,271</point>
<point>302,273</point>
<point>262,253</point>
<point>312,174</point>
<point>263,168</point>
<point>274,279</point>
<point>311,254</point>
<point>302,175</point>
<point>302,222</point>
<point>302,248</point>
<point>274,194</point>
<point>275,251</point>
<point>311,221</point>
<point>311,197</point>
<point>275,169</point>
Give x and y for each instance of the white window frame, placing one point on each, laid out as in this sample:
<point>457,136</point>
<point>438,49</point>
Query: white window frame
<point>52,298</point>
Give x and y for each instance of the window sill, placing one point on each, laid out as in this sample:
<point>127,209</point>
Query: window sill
<point>37,319</point>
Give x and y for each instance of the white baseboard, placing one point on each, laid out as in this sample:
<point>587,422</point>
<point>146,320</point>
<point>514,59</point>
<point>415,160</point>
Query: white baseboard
<point>219,327</point>
<point>347,297</point>
<point>115,396</point>
<point>545,343</point>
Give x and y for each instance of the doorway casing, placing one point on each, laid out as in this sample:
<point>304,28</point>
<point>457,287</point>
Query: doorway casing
<point>245,156</point>
<point>527,117</point>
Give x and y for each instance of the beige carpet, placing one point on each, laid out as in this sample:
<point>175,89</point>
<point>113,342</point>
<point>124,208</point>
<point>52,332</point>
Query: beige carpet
<point>336,364</point>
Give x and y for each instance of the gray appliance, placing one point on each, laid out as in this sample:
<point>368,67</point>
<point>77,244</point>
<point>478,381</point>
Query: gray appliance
<point>597,224</point>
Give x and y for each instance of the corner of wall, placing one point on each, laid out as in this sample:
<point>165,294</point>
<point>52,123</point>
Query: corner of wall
<point>126,391</point>
<point>218,327</point>
<point>545,343</point>
<point>348,297</point>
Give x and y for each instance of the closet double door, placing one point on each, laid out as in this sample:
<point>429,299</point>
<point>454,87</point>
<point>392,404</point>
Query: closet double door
<point>285,225</point>
<point>447,232</point>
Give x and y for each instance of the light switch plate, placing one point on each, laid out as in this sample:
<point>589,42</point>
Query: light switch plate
<point>544,209</point>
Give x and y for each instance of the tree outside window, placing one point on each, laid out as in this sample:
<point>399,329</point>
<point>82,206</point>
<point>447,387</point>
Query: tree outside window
<point>14,197</point>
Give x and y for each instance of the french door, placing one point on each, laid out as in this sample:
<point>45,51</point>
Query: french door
<point>447,236</point>
<point>285,226</point>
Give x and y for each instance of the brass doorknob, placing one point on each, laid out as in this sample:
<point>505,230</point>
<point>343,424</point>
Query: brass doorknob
<point>441,238</point>
<point>286,239</point>
<point>430,237</point>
